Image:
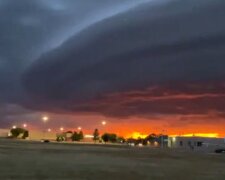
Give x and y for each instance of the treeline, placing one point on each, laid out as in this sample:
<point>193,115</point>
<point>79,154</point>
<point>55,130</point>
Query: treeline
<point>69,135</point>
<point>107,137</point>
<point>152,140</point>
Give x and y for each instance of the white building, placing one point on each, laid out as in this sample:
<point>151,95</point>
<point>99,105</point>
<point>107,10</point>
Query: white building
<point>38,135</point>
<point>196,143</point>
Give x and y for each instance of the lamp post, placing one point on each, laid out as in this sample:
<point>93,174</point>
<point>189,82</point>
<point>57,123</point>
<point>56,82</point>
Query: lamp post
<point>45,120</point>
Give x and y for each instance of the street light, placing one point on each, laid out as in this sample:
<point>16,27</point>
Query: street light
<point>14,127</point>
<point>24,125</point>
<point>79,128</point>
<point>61,129</point>
<point>103,123</point>
<point>49,130</point>
<point>45,119</point>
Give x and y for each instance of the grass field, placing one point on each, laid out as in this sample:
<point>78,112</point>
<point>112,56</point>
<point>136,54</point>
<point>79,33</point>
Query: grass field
<point>34,160</point>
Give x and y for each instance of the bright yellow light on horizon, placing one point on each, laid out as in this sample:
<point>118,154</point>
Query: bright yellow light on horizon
<point>137,135</point>
<point>209,135</point>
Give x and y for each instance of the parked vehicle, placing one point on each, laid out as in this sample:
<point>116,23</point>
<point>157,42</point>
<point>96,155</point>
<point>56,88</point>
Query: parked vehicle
<point>221,150</point>
<point>45,140</point>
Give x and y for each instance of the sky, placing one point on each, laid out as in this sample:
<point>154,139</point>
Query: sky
<point>141,65</point>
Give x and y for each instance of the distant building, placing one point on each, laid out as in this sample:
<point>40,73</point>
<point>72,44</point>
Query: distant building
<point>4,132</point>
<point>38,135</point>
<point>88,138</point>
<point>196,143</point>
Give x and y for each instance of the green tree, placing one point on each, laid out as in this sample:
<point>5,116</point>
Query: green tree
<point>18,131</point>
<point>96,135</point>
<point>60,138</point>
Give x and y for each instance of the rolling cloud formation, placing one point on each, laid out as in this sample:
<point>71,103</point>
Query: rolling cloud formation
<point>114,58</point>
<point>172,50</point>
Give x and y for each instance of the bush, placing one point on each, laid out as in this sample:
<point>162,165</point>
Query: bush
<point>60,138</point>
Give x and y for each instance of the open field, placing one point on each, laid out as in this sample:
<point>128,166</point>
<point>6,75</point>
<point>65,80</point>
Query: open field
<point>34,160</point>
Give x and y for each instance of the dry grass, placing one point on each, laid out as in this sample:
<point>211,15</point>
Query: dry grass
<point>30,160</point>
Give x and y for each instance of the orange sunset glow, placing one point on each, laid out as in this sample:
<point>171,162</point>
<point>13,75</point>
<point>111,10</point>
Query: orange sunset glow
<point>142,132</point>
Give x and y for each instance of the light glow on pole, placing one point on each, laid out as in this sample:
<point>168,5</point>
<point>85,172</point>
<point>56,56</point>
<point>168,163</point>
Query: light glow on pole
<point>45,119</point>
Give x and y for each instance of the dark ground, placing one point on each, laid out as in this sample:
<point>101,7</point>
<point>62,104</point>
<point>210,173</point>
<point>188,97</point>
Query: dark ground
<point>34,160</point>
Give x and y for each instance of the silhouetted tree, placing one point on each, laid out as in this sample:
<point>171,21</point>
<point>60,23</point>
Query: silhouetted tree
<point>81,135</point>
<point>121,139</point>
<point>75,136</point>
<point>18,131</point>
<point>112,138</point>
<point>152,138</point>
<point>105,137</point>
<point>96,135</point>
<point>25,134</point>
<point>109,137</point>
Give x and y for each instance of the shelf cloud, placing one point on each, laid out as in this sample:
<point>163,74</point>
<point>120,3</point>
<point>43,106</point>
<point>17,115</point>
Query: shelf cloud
<point>117,59</point>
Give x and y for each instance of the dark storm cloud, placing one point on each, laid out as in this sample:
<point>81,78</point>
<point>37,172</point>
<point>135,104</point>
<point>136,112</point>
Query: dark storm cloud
<point>30,28</point>
<point>146,46</point>
<point>71,56</point>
